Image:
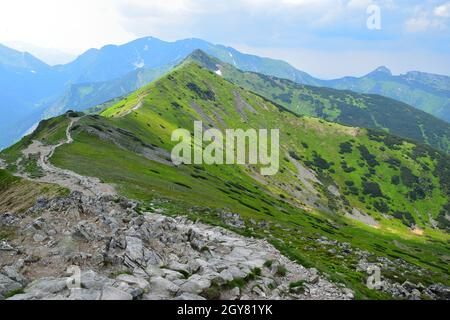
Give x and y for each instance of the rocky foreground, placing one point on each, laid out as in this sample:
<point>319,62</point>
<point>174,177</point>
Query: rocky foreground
<point>125,254</point>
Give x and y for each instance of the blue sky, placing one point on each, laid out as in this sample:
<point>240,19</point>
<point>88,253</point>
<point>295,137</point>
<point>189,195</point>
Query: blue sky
<point>327,38</point>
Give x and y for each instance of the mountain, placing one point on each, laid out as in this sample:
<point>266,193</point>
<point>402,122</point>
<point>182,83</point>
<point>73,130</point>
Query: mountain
<point>425,91</point>
<point>85,95</point>
<point>50,56</point>
<point>32,90</point>
<point>111,62</point>
<point>35,90</point>
<point>24,81</point>
<point>346,107</point>
<point>343,195</point>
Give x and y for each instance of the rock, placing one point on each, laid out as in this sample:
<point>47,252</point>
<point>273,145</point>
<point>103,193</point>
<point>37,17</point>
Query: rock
<point>314,279</point>
<point>133,281</point>
<point>87,231</point>
<point>46,287</point>
<point>8,219</point>
<point>154,271</point>
<point>443,292</point>
<point>8,285</point>
<point>409,286</point>
<point>172,275</point>
<point>232,219</point>
<point>92,280</point>
<point>234,293</point>
<point>236,273</point>
<point>13,272</point>
<point>195,285</point>
<point>160,251</point>
<point>38,237</point>
<point>38,224</point>
<point>349,293</point>
<point>226,276</point>
<point>189,297</point>
<point>85,294</point>
<point>151,258</point>
<point>111,293</point>
<point>134,256</point>
<point>163,287</point>
<point>5,246</point>
<point>415,295</point>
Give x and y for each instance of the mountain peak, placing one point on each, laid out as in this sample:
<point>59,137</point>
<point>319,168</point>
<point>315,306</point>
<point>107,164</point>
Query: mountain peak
<point>202,58</point>
<point>382,70</point>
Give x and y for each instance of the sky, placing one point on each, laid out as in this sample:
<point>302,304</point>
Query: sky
<point>326,38</point>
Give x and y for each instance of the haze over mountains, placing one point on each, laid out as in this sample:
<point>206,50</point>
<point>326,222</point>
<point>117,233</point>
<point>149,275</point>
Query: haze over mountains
<point>32,90</point>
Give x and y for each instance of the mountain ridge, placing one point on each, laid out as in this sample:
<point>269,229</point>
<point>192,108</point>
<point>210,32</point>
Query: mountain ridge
<point>346,107</point>
<point>47,90</point>
<point>336,184</point>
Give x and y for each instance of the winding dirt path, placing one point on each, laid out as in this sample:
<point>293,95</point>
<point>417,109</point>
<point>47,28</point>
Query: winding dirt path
<point>68,179</point>
<point>136,107</point>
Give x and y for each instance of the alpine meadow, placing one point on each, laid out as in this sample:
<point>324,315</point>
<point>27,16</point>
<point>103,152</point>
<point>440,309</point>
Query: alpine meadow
<point>186,170</point>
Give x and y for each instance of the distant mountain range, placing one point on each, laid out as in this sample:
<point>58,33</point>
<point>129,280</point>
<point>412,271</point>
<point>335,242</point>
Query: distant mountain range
<point>32,90</point>
<point>342,106</point>
<point>425,91</point>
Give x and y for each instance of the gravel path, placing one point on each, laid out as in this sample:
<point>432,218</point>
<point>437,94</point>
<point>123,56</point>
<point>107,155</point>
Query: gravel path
<point>65,178</point>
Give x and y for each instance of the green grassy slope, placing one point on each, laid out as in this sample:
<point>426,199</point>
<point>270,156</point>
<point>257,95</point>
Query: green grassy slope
<point>326,170</point>
<point>349,108</point>
<point>427,92</point>
<point>17,195</point>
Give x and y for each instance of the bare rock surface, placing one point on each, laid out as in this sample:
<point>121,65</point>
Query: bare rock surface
<point>122,255</point>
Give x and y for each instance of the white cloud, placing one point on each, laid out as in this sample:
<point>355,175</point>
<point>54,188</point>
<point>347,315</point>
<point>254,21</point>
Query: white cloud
<point>443,11</point>
<point>69,25</point>
<point>418,24</point>
<point>359,4</point>
<point>425,19</point>
<point>326,26</point>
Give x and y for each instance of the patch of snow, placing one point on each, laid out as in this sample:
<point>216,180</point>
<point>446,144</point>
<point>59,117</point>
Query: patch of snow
<point>232,58</point>
<point>139,64</point>
<point>218,72</point>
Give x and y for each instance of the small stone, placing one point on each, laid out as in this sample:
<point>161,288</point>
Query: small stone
<point>39,237</point>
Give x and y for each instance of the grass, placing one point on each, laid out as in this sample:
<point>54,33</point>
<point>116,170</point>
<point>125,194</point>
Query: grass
<point>281,271</point>
<point>14,293</point>
<point>294,220</point>
<point>350,108</point>
<point>297,286</point>
<point>17,195</point>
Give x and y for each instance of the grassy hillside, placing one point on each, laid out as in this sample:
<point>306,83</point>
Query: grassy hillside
<point>349,108</point>
<point>369,189</point>
<point>427,92</point>
<point>17,195</point>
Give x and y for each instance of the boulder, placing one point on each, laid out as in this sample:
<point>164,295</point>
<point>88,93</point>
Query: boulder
<point>111,293</point>
<point>195,284</point>
<point>164,287</point>
<point>7,286</point>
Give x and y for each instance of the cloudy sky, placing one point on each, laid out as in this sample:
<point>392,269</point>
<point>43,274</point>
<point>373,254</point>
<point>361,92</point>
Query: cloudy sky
<point>327,38</point>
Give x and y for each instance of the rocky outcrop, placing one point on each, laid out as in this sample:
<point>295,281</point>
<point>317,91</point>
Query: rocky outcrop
<point>124,255</point>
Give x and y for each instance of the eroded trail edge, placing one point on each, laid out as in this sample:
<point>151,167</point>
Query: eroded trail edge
<point>65,178</point>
